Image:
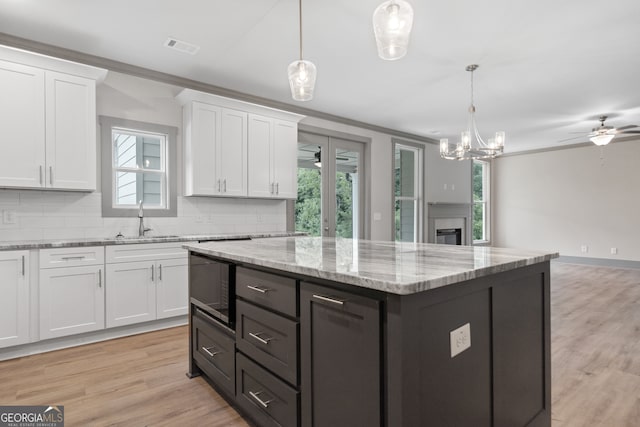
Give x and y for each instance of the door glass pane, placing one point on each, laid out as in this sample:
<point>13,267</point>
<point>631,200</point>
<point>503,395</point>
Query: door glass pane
<point>347,200</point>
<point>309,202</point>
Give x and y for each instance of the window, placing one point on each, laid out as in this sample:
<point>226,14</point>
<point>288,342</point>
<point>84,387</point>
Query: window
<point>138,164</point>
<point>481,201</point>
<point>408,192</point>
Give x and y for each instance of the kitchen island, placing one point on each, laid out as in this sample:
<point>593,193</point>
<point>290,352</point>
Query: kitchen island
<point>341,332</point>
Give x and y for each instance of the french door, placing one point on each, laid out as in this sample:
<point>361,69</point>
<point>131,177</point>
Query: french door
<point>330,186</point>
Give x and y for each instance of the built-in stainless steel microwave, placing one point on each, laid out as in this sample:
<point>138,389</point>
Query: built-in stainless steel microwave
<point>212,287</point>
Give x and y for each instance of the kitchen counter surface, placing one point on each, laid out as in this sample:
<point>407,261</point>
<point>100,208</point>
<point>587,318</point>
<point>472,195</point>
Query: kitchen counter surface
<point>393,267</point>
<point>103,241</point>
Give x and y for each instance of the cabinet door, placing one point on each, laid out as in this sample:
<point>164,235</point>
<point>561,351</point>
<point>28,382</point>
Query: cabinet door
<point>71,301</point>
<point>232,153</point>
<point>14,303</point>
<point>261,182</point>
<point>131,293</point>
<point>285,159</point>
<point>172,288</point>
<point>340,351</point>
<point>22,123</point>
<point>71,132</point>
<point>202,133</point>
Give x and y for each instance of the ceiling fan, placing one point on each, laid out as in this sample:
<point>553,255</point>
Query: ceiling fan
<point>603,135</point>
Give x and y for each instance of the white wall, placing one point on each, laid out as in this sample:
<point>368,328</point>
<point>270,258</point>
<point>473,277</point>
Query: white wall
<point>64,215</point>
<point>560,200</point>
<point>448,181</point>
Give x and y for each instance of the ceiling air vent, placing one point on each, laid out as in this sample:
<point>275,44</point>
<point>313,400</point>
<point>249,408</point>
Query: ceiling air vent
<point>184,47</point>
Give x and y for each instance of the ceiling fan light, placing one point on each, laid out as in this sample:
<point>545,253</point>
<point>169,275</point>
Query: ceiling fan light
<point>302,79</point>
<point>602,139</point>
<point>392,22</point>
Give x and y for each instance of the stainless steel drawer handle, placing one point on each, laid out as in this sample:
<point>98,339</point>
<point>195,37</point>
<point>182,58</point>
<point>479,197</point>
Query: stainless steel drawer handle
<point>207,350</point>
<point>51,175</point>
<point>67,258</point>
<point>332,300</point>
<point>100,278</point>
<point>22,265</point>
<point>257,336</point>
<point>260,289</point>
<point>264,403</point>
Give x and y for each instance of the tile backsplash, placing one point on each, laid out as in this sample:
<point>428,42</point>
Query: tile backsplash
<point>36,215</point>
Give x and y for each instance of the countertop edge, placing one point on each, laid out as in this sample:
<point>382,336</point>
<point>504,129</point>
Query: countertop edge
<point>98,241</point>
<point>372,283</point>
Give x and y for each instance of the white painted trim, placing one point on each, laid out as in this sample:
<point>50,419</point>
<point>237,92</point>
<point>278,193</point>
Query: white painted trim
<point>50,63</point>
<point>90,337</point>
<point>189,95</point>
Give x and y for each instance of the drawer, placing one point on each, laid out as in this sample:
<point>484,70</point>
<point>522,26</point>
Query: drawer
<point>268,400</point>
<point>268,290</point>
<point>71,257</point>
<point>269,339</point>
<point>144,252</point>
<point>214,352</point>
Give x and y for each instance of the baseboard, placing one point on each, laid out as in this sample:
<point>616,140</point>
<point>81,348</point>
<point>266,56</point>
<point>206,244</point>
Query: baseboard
<point>90,337</point>
<point>601,262</point>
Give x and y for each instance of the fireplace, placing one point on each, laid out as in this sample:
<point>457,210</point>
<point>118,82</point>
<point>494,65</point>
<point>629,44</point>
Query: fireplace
<point>450,223</point>
<point>449,236</point>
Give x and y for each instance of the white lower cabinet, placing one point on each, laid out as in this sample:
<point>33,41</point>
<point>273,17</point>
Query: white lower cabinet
<point>153,288</point>
<point>14,298</point>
<point>72,291</point>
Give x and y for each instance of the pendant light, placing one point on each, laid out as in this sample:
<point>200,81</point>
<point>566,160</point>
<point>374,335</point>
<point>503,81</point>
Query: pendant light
<point>392,22</point>
<point>302,73</point>
<point>467,148</point>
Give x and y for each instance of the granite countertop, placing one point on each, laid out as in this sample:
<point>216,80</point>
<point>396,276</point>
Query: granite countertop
<point>104,241</point>
<point>393,267</point>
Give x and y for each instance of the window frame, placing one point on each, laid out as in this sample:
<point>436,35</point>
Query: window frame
<point>485,202</point>
<point>418,196</point>
<point>169,187</point>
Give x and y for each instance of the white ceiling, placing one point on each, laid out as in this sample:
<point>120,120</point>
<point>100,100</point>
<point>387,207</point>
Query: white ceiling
<point>547,67</point>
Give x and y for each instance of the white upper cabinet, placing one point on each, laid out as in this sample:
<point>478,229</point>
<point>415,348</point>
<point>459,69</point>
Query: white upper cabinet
<point>71,132</point>
<point>273,158</point>
<point>285,159</point>
<point>48,116</point>
<point>260,178</point>
<point>22,124</point>
<point>238,149</point>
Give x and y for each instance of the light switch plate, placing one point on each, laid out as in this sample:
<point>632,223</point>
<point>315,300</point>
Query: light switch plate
<point>460,339</point>
<point>9,216</point>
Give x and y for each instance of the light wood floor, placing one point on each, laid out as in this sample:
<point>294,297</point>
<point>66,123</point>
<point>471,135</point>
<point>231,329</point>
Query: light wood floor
<point>140,380</point>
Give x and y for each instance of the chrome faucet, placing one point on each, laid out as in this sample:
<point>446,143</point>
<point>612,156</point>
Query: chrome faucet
<point>141,227</point>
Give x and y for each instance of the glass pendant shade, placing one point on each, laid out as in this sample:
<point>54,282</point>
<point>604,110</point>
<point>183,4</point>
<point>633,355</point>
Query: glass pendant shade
<point>392,22</point>
<point>603,139</point>
<point>302,79</point>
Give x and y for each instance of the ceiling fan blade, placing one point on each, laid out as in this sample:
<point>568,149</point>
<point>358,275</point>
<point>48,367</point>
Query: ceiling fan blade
<point>631,131</point>
<point>574,137</point>
<point>626,127</point>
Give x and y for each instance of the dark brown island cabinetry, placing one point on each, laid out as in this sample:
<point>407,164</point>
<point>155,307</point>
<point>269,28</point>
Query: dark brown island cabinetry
<point>312,352</point>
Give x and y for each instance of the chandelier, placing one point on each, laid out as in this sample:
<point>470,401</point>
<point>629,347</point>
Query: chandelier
<point>302,73</point>
<point>471,145</point>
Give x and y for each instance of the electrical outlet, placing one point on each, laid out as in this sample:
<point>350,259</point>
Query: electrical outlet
<point>584,249</point>
<point>614,251</point>
<point>460,339</point>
